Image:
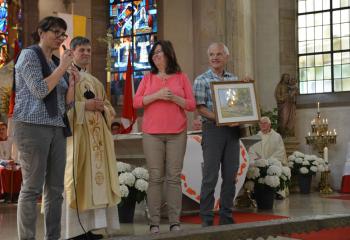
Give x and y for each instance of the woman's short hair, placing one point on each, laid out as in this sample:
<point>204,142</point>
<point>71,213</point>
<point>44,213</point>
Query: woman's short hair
<point>46,24</point>
<point>171,62</point>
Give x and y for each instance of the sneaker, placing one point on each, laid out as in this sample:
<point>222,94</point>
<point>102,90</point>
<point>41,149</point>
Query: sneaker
<point>175,227</point>
<point>154,229</point>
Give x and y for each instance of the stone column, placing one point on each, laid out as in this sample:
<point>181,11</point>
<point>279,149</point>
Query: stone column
<point>228,21</point>
<point>99,24</point>
<point>30,20</point>
<point>287,30</point>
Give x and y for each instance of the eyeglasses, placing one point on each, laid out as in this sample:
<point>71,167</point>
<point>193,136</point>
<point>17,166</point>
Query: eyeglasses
<point>59,34</point>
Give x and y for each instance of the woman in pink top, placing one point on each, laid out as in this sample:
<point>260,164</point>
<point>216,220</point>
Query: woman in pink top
<point>165,94</point>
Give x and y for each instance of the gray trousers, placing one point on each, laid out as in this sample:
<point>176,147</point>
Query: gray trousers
<point>42,154</point>
<point>164,156</point>
<point>220,148</point>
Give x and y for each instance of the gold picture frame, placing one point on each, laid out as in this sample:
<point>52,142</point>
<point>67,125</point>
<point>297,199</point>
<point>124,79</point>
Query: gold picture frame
<point>235,102</point>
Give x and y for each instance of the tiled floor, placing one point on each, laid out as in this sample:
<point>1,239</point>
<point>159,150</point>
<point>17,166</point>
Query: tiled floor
<point>294,206</point>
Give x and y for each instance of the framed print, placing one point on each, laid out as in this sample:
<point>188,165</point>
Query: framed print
<point>235,102</point>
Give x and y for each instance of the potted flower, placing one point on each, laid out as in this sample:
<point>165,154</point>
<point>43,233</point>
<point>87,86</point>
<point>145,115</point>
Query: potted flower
<point>305,166</point>
<point>266,177</point>
<point>133,188</point>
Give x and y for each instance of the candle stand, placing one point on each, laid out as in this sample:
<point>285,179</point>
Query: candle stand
<point>320,137</point>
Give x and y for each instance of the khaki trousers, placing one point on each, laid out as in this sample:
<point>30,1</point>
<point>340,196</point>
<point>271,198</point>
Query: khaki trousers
<point>164,156</point>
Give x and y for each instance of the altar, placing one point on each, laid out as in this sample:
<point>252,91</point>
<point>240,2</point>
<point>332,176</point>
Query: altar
<point>128,149</point>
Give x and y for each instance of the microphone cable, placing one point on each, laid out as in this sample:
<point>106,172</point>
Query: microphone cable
<point>73,162</point>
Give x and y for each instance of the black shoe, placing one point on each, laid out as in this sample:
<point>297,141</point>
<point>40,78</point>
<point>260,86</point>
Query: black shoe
<point>80,237</point>
<point>207,223</point>
<point>225,221</point>
<point>93,236</point>
<point>88,236</point>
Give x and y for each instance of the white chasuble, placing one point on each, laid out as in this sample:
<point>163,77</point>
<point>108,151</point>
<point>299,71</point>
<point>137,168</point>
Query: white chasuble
<point>90,151</point>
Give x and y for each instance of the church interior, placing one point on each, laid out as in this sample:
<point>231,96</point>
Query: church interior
<point>306,40</point>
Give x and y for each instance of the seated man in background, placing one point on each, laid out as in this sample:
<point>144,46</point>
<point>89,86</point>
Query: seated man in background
<point>270,146</point>
<point>10,176</point>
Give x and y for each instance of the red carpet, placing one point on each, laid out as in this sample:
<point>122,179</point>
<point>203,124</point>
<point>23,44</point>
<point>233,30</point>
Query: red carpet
<point>340,197</point>
<point>326,234</point>
<point>240,217</point>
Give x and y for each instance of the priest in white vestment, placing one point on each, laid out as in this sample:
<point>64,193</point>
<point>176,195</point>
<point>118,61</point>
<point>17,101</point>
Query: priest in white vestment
<point>270,146</point>
<point>90,154</point>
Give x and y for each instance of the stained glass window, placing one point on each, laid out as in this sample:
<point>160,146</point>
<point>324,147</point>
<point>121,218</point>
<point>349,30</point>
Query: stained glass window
<point>324,45</point>
<point>3,32</point>
<point>134,28</point>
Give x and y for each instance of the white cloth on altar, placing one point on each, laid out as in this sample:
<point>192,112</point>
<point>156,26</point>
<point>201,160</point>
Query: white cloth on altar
<point>91,219</point>
<point>191,177</point>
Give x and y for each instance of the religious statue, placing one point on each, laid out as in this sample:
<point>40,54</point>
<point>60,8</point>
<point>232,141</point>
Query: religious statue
<point>285,94</point>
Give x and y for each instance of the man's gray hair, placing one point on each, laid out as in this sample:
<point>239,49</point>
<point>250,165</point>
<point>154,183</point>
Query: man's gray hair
<point>78,41</point>
<point>227,52</point>
<point>265,119</point>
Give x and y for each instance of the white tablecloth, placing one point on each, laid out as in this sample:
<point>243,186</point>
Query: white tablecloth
<point>192,170</point>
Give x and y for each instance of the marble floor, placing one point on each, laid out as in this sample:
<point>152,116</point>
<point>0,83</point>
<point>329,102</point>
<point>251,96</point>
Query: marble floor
<point>297,205</point>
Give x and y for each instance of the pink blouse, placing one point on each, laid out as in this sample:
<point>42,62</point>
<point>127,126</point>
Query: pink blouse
<point>163,116</point>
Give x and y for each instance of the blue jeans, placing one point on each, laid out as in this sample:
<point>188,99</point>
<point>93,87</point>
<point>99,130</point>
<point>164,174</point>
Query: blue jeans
<point>42,154</point>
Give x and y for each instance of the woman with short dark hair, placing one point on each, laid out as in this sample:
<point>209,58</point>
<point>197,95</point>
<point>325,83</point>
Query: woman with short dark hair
<point>165,94</point>
<point>42,95</point>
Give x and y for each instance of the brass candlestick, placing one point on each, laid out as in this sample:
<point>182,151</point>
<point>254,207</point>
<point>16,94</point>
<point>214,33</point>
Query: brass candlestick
<point>320,137</point>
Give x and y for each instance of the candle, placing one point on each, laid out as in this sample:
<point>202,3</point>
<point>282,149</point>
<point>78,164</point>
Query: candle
<point>108,76</point>
<point>326,121</point>
<point>309,134</point>
<point>322,120</point>
<point>318,107</point>
<point>325,154</point>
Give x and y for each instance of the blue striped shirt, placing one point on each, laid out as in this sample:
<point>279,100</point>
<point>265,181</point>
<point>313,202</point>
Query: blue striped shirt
<point>31,89</point>
<point>202,90</point>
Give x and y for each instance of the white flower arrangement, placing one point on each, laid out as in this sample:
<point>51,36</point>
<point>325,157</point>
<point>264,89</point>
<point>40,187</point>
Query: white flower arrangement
<point>268,172</point>
<point>132,181</point>
<point>301,163</point>
<point>127,178</point>
<point>141,173</point>
<point>124,191</point>
<point>123,167</point>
